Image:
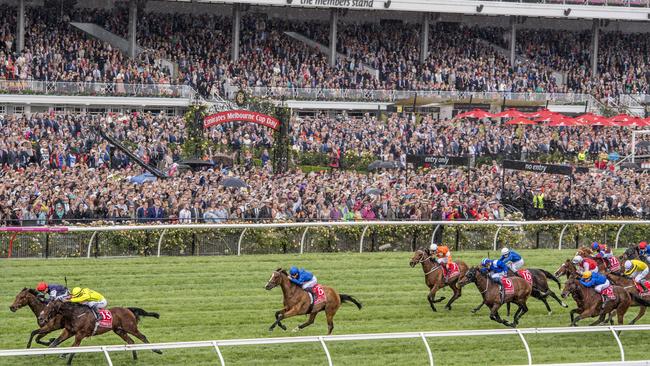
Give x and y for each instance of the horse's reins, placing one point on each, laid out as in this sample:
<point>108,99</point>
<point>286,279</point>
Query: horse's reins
<point>435,268</point>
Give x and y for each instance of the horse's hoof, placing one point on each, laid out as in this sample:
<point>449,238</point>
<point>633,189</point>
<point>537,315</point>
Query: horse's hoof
<point>157,351</point>
<point>447,307</point>
<point>295,330</point>
<point>270,329</point>
<point>564,305</point>
<point>550,313</point>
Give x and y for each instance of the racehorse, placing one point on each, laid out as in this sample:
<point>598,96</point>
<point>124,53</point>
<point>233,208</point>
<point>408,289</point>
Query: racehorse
<point>540,289</point>
<point>590,303</point>
<point>630,287</point>
<point>435,279</point>
<point>492,294</point>
<point>632,253</point>
<point>29,297</point>
<point>298,302</point>
<point>80,322</point>
<point>567,269</point>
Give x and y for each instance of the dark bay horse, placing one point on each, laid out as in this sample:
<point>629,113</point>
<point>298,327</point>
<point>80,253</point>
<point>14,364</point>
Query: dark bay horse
<point>435,279</point>
<point>629,286</point>
<point>590,303</point>
<point>632,253</point>
<point>297,302</point>
<point>491,293</point>
<point>79,321</point>
<point>29,297</point>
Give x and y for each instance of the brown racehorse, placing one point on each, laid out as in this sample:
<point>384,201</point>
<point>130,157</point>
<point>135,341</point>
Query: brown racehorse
<point>435,279</point>
<point>491,293</point>
<point>29,297</point>
<point>567,269</point>
<point>628,285</point>
<point>590,303</point>
<point>79,321</point>
<point>298,302</point>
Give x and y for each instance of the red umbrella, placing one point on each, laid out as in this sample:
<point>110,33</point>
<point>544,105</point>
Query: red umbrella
<point>621,118</point>
<point>564,121</point>
<point>540,113</point>
<point>548,117</point>
<point>586,118</point>
<point>521,121</point>
<point>476,113</point>
<point>633,122</point>
<point>510,113</point>
<point>601,121</point>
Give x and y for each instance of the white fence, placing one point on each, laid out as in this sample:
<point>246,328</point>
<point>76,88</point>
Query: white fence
<point>323,340</point>
<point>306,225</point>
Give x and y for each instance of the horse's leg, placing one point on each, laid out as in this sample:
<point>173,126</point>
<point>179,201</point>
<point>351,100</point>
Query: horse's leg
<point>553,295</point>
<point>494,314</point>
<point>61,338</point>
<point>330,321</point>
<point>641,312</point>
<point>507,309</point>
<point>31,336</point>
<point>77,342</point>
<point>277,320</point>
<point>433,292</point>
<point>122,333</point>
<point>548,308</point>
<point>478,307</point>
<point>431,297</point>
<point>143,338</point>
<point>572,314</point>
<point>309,322</point>
<point>457,292</point>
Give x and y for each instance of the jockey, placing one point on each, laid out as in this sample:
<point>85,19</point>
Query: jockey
<point>442,256</point>
<point>637,270</point>
<point>585,264</point>
<point>595,280</point>
<point>52,291</point>
<point>642,249</point>
<point>496,270</point>
<point>602,251</point>
<point>92,299</point>
<point>512,259</point>
<point>303,278</point>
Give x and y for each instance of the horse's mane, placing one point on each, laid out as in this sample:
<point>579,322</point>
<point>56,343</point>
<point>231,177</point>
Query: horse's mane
<point>282,271</point>
<point>30,290</point>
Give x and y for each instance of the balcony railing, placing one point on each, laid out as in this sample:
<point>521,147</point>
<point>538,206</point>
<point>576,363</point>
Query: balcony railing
<point>95,89</point>
<point>626,3</point>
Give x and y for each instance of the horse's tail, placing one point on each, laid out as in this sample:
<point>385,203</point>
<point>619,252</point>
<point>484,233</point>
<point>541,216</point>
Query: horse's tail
<point>140,313</point>
<point>639,299</point>
<point>346,298</point>
<point>552,277</point>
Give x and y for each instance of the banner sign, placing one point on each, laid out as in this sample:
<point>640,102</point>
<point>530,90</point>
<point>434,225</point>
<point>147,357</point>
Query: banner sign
<point>538,167</point>
<point>347,4</point>
<point>432,160</point>
<point>241,116</point>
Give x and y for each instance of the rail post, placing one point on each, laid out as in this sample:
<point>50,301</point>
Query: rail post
<point>216,348</point>
<point>108,357</point>
<point>496,236</point>
<point>241,237</point>
<point>618,235</point>
<point>363,234</point>
<point>327,352</point>
<point>433,234</point>
<point>523,340</point>
<point>426,345</point>
<point>160,241</point>
<point>618,340</point>
<point>559,246</point>
<point>90,243</point>
<point>302,240</point>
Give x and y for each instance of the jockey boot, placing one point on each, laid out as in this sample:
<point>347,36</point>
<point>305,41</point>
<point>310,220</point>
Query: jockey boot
<point>642,285</point>
<point>502,292</point>
<point>95,313</point>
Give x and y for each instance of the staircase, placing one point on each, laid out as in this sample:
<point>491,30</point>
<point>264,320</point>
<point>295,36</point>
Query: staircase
<point>131,155</point>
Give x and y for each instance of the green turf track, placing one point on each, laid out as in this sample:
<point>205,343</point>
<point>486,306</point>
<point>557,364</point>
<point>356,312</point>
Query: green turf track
<point>205,298</point>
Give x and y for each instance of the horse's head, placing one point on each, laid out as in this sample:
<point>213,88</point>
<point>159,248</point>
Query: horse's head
<point>50,311</point>
<point>570,286</point>
<point>276,278</point>
<point>23,298</point>
<point>630,253</point>
<point>469,276</point>
<point>584,252</point>
<point>567,268</point>
<point>419,256</point>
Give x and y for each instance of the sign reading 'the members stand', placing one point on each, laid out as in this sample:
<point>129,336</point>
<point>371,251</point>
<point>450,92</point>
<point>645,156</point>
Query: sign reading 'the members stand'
<point>241,116</point>
<point>348,4</point>
<point>538,167</point>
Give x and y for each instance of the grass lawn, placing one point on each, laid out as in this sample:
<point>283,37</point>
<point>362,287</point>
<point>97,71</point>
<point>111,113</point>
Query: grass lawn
<point>205,298</point>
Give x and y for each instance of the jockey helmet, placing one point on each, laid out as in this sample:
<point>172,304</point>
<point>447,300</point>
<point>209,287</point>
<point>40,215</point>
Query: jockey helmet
<point>577,259</point>
<point>433,247</point>
<point>293,271</point>
<point>595,245</point>
<point>505,251</point>
<point>75,291</point>
<point>628,265</point>
<point>586,275</point>
<point>485,262</point>
<point>643,245</point>
<point>42,286</point>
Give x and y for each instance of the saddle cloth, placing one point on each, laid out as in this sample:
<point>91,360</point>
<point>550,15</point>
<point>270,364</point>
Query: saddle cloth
<point>508,286</point>
<point>640,289</point>
<point>320,295</point>
<point>452,270</point>
<point>525,274</point>
<point>614,264</point>
<point>609,292</point>
<point>105,319</point>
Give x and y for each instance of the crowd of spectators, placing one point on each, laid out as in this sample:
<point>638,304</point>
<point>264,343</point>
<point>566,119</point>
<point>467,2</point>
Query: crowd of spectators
<point>460,57</point>
<point>56,168</point>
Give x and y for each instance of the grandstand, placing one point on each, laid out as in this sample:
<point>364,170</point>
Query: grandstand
<point>387,110</point>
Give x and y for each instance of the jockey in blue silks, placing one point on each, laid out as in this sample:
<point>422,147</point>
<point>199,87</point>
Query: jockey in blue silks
<point>303,278</point>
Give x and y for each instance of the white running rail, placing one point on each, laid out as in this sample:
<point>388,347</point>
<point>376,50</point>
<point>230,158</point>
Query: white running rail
<point>323,340</point>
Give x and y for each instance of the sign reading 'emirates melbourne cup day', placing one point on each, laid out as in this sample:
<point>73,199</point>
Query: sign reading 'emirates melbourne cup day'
<point>241,116</point>
<point>351,4</point>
